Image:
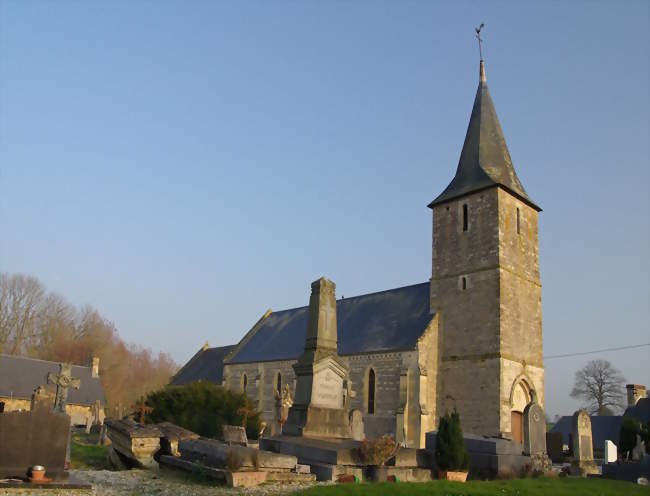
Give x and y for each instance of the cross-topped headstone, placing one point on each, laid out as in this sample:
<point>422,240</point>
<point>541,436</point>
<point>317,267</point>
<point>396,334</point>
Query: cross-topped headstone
<point>140,409</point>
<point>63,381</point>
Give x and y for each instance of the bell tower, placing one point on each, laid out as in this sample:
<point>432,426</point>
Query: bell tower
<point>485,284</point>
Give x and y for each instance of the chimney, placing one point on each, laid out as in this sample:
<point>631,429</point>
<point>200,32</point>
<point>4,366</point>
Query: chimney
<point>94,366</point>
<point>634,393</point>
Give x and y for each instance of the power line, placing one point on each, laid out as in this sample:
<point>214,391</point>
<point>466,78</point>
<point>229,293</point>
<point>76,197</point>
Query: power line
<point>597,351</point>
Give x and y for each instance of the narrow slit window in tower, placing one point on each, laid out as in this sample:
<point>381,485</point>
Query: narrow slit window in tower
<point>278,384</point>
<point>371,391</point>
<point>465,219</point>
<point>244,383</point>
<point>463,283</point>
<point>518,222</point>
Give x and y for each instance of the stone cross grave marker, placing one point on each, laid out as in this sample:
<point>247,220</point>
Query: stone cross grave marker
<point>63,382</point>
<point>235,434</point>
<point>534,429</point>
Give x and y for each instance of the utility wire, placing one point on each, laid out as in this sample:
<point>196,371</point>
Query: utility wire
<point>597,351</point>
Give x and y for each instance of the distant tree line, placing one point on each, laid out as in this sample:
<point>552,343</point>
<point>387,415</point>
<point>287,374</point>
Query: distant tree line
<point>41,324</point>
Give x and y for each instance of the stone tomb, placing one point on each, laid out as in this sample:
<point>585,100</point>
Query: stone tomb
<point>235,434</point>
<point>583,452</point>
<point>134,444</point>
<point>34,438</point>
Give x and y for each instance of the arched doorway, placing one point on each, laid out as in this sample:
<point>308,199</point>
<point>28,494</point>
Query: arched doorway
<point>519,398</point>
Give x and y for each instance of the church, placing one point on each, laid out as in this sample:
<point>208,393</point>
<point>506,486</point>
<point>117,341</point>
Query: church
<point>469,338</point>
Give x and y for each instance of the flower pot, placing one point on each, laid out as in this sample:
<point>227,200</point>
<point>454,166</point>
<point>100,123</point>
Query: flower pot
<point>378,473</point>
<point>452,475</point>
<point>38,473</point>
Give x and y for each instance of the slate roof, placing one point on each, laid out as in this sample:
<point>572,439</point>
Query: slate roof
<point>206,365</point>
<point>485,160</point>
<point>602,428</point>
<point>384,321</point>
<point>640,411</point>
<point>19,376</point>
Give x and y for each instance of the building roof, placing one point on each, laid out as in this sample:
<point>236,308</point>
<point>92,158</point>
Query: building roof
<point>485,159</point>
<point>384,321</point>
<point>603,427</point>
<point>206,365</point>
<point>19,376</point>
<point>640,411</point>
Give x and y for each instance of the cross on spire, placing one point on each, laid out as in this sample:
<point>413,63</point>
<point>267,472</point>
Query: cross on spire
<point>63,381</point>
<point>480,41</point>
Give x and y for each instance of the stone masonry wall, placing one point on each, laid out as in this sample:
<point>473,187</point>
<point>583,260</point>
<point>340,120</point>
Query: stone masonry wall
<point>387,366</point>
<point>469,325</point>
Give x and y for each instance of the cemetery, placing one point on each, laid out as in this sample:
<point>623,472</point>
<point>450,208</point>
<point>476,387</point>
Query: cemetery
<point>437,387</point>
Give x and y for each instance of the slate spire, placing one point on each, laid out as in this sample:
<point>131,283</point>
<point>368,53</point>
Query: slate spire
<point>484,160</point>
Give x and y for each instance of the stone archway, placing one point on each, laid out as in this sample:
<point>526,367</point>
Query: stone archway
<point>520,396</point>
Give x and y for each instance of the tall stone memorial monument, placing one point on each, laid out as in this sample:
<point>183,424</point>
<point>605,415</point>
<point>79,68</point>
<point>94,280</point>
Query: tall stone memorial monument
<point>583,450</point>
<point>318,409</point>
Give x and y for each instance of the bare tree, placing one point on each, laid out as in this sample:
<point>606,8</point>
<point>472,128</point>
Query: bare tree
<point>600,386</point>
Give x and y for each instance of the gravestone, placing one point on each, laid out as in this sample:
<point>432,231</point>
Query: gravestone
<point>34,438</point>
<point>235,434</point>
<point>318,409</point>
<point>534,429</point>
<point>42,399</point>
<point>611,453</point>
<point>554,446</point>
<point>356,424</point>
<point>63,382</point>
<point>638,452</point>
<point>583,451</point>
<point>535,436</point>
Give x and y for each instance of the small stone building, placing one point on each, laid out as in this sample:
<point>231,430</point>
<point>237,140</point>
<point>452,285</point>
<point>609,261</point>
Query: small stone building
<point>469,338</point>
<point>21,376</point>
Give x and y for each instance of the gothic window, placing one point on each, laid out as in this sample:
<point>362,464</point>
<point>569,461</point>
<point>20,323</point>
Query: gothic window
<point>371,391</point>
<point>244,383</point>
<point>465,218</point>
<point>278,384</point>
<point>518,222</point>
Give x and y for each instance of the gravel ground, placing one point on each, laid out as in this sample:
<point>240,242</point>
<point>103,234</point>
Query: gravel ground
<point>158,483</point>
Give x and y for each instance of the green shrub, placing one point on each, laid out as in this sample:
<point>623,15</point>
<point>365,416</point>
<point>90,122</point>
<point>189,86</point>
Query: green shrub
<point>202,407</point>
<point>450,446</point>
<point>630,427</point>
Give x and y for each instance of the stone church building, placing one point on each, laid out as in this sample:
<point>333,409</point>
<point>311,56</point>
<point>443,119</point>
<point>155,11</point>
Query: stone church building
<point>468,339</point>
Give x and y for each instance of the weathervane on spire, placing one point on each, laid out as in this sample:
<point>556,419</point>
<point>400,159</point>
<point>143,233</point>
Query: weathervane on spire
<point>480,41</point>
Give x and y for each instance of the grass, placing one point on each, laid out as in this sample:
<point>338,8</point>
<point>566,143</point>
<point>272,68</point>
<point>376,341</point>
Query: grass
<point>565,486</point>
<point>85,454</point>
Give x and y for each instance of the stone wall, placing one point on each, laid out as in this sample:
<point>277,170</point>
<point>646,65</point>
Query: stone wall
<point>78,413</point>
<point>15,404</point>
<point>486,292</point>
<point>390,369</point>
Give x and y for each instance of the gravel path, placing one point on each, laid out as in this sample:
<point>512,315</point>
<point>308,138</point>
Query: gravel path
<point>158,483</point>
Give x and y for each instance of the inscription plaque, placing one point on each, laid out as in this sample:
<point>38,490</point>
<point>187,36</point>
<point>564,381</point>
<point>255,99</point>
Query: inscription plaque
<point>327,389</point>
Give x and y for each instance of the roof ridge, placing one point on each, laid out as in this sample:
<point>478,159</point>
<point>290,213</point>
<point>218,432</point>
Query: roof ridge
<point>20,357</point>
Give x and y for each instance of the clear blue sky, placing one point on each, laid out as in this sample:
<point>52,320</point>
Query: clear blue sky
<point>183,166</point>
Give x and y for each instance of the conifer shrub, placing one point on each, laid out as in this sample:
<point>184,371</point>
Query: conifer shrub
<point>451,454</point>
<point>627,435</point>
<point>202,407</point>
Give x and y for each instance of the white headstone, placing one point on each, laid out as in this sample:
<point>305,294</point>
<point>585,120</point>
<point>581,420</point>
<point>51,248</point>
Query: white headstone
<point>611,453</point>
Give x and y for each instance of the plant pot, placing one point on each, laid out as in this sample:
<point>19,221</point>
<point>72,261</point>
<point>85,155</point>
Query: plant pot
<point>378,473</point>
<point>38,473</point>
<point>451,475</point>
